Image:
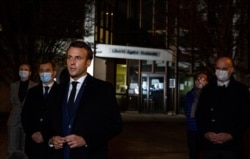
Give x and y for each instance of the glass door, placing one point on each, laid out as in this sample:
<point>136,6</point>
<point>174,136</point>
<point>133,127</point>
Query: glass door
<point>152,93</point>
<point>121,85</point>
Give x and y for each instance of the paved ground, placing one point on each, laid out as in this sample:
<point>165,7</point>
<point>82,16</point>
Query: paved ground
<point>150,137</point>
<point>144,136</point>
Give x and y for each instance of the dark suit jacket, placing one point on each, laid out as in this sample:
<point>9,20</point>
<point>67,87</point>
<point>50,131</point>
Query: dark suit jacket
<point>97,119</point>
<point>33,118</point>
<point>223,110</point>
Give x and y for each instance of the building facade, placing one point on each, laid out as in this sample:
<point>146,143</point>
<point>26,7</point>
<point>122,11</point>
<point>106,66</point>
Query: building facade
<point>132,52</point>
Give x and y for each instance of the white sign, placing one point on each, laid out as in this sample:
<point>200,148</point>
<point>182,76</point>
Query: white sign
<point>129,52</point>
<point>172,83</point>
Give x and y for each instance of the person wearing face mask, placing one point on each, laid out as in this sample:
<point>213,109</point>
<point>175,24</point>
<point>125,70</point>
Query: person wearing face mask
<point>35,111</point>
<point>222,114</point>
<point>191,100</point>
<point>18,91</point>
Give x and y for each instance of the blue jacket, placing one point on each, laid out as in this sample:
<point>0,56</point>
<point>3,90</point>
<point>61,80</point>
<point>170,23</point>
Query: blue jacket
<point>189,100</point>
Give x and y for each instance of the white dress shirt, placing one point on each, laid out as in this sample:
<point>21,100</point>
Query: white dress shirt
<point>78,86</point>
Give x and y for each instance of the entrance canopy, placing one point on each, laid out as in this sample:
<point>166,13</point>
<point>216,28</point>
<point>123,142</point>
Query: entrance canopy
<point>129,52</point>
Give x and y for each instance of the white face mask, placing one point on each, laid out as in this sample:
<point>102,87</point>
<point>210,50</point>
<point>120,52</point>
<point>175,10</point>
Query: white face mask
<point>222,75</point>
<point>24,74</point>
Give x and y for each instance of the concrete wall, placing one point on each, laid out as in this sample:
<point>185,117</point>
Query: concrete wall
<point>100,68</point>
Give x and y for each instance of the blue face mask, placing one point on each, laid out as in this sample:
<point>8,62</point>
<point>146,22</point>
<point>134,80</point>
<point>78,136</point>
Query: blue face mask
<point>45,77</point>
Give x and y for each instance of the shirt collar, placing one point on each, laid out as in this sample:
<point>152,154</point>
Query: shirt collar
<point>219,83</point>
<point>49,85</point>
<point>80,80</point>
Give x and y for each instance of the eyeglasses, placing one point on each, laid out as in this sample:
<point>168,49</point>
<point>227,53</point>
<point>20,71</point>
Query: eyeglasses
<point>76,58</point>
<point>200,79</point>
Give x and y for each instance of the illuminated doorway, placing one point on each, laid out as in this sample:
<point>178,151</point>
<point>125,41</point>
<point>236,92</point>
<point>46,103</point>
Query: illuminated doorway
<point>152,93</point>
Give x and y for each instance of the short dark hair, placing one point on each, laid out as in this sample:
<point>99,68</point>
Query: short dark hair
<point>81,44</point>
<point>49,61</point>
<point>29,65</point>
<point>196,75</point>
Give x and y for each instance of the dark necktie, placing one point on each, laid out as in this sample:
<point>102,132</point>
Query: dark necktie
<point>46,92</point>
<point>71,100</point>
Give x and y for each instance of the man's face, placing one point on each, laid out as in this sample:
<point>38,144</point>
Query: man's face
<point>201,81</point>
<point>77,62</point>
<point>223,67</point>
<point>47,68</point>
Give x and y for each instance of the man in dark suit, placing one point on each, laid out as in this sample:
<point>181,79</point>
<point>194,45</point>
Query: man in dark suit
<point>35,112</point>
<point>83,129</point>
<point>222,114</point>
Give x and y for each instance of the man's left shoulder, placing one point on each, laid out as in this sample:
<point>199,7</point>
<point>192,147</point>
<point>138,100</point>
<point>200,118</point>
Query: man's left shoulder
<point>239,84</point>
<point>55,84</point>
<point>98,81</point>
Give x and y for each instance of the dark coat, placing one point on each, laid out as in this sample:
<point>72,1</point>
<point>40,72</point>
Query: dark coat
<point>33,118</point>
<point>97,119</point>
<point>16,104</point>
<point>16,137</point>
<point>223,110</point>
